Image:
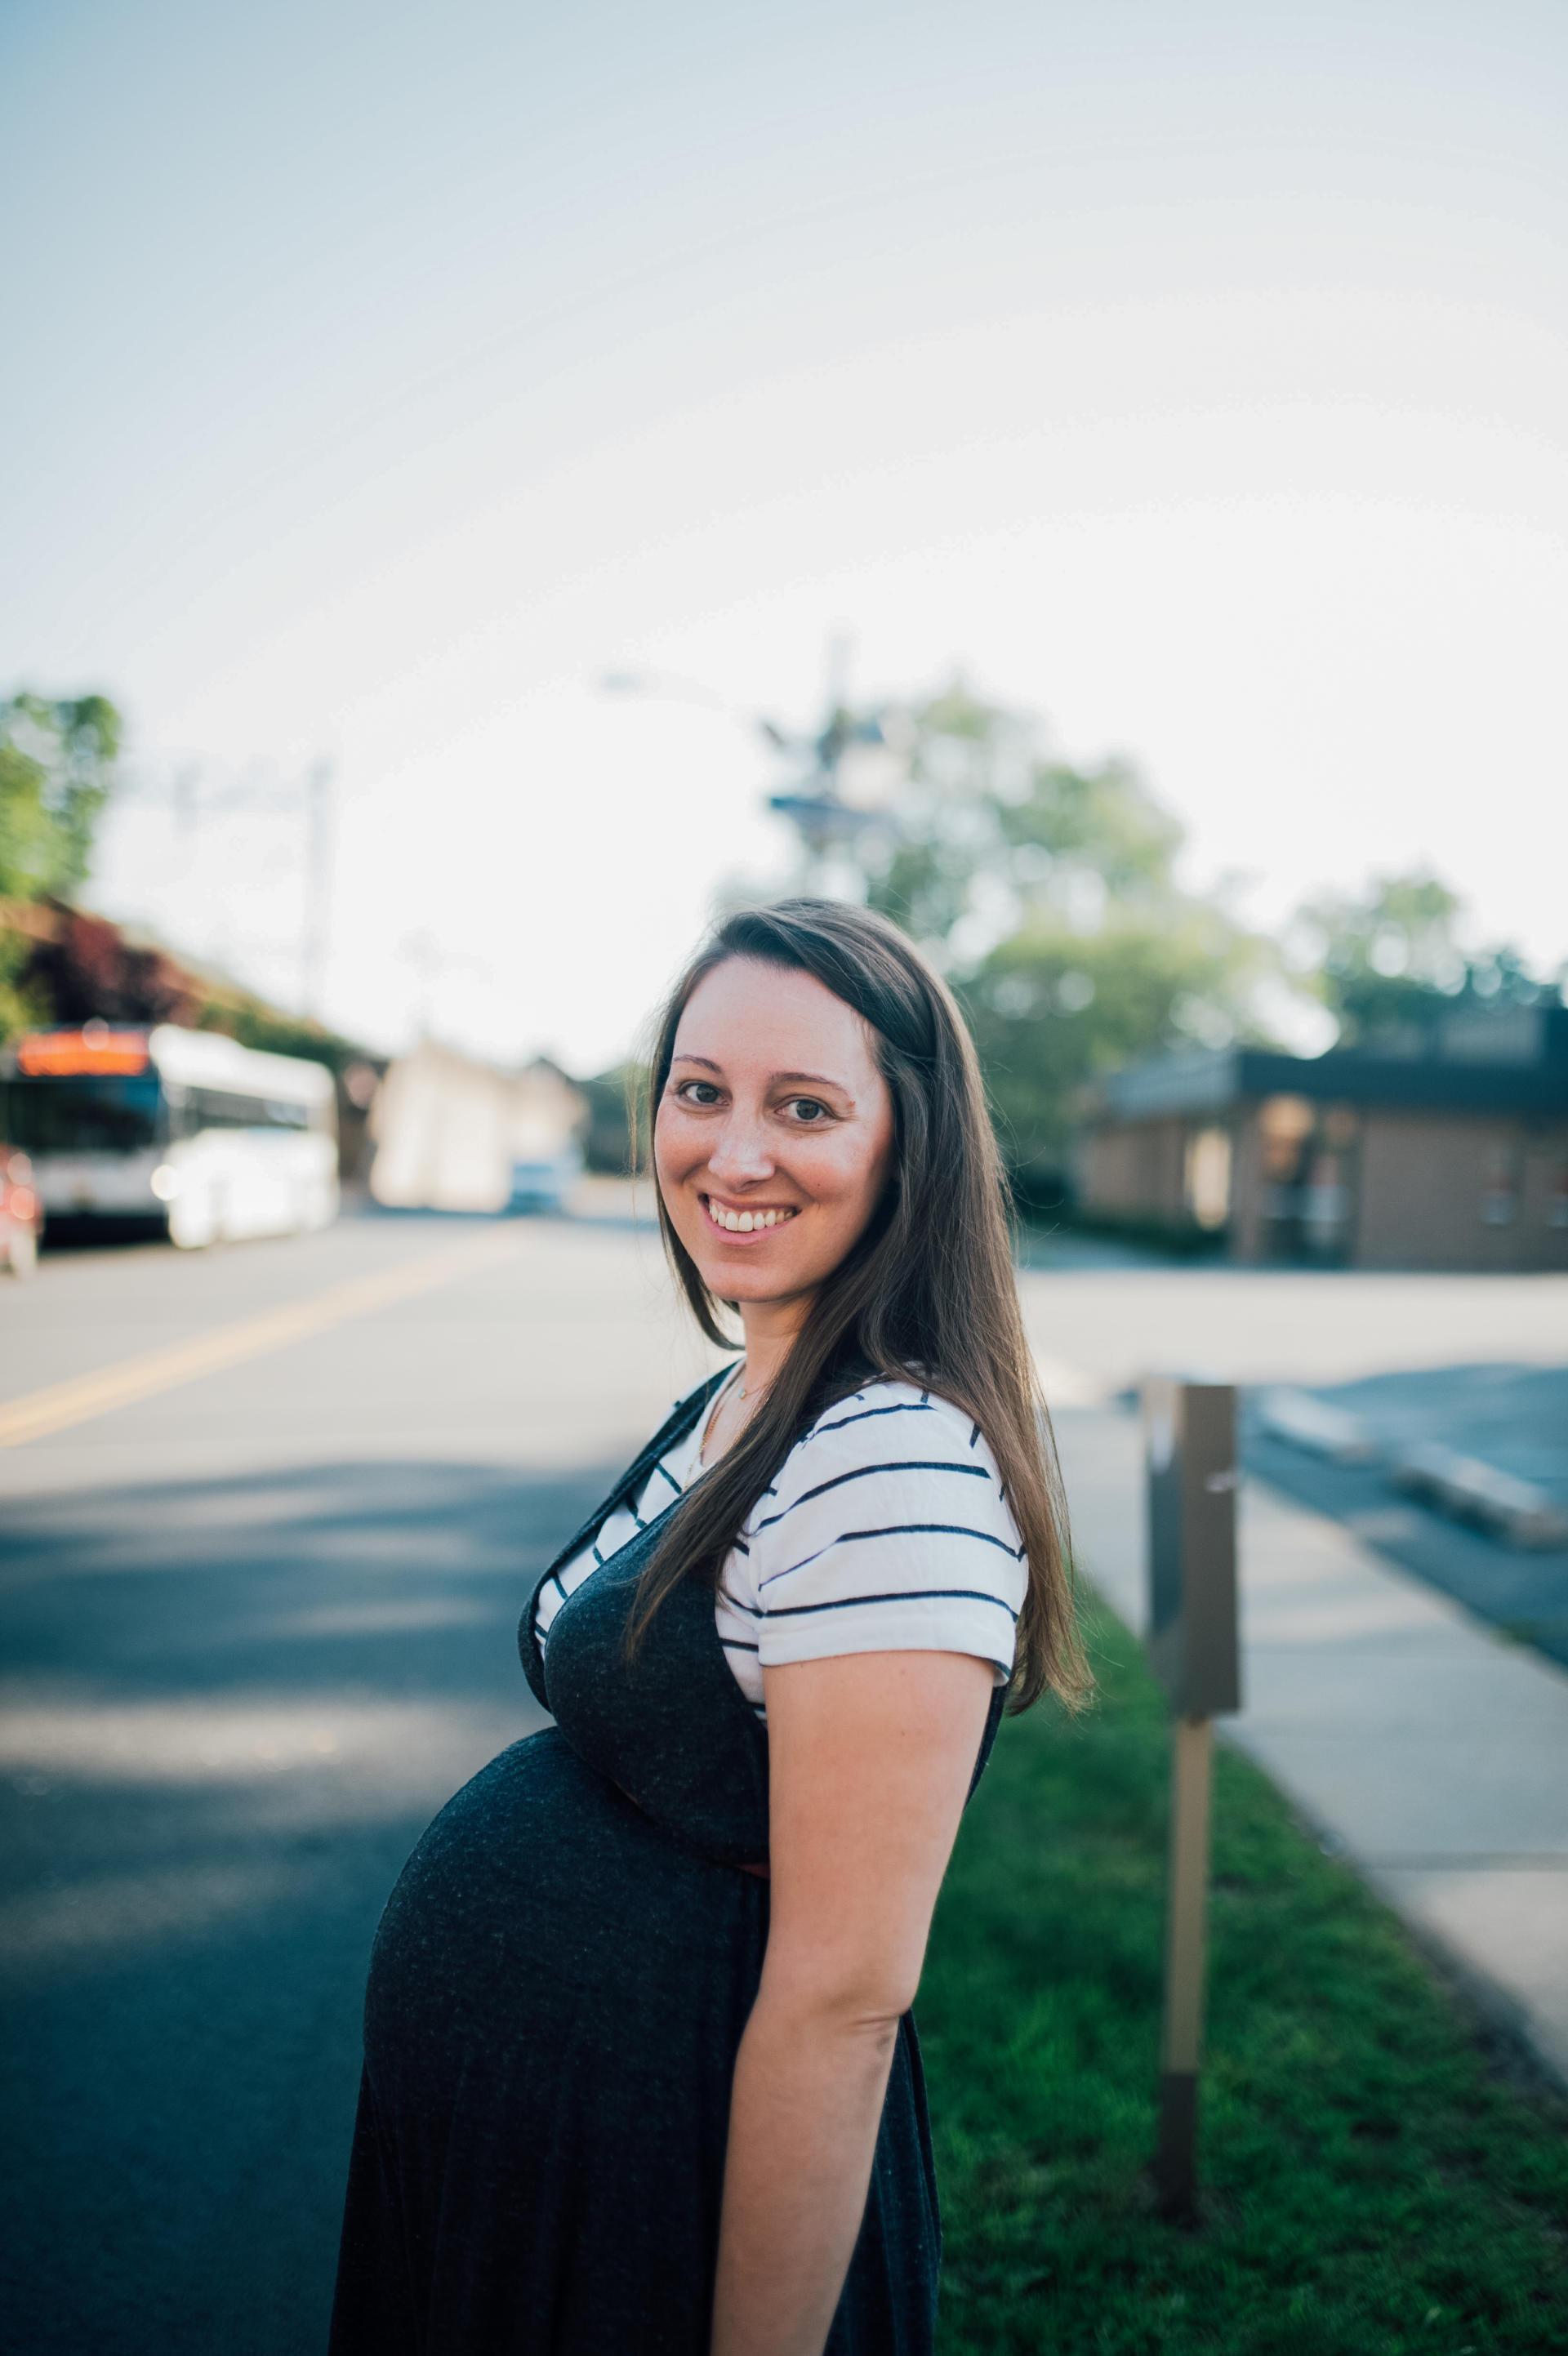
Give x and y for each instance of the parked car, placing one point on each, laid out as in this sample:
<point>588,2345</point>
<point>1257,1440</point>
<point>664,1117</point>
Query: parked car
<point>544,1185</point>
<point>21,1213</point>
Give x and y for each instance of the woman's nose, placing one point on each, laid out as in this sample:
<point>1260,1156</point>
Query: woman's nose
<point>740,1155</point>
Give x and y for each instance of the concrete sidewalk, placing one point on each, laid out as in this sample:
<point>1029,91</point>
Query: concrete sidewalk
<point>1429,1749</point>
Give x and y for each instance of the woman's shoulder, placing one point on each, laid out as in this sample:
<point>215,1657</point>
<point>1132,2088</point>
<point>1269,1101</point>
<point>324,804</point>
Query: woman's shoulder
<point>886,1526</point>
<point>886,1417</point>
<point>896,1427</point>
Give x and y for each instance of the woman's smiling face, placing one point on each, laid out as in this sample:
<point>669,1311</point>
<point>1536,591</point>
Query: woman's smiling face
<point>773,1137</point>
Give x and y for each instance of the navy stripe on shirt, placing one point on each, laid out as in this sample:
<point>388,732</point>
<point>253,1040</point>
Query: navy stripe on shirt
<point>890,1595</point>
<point>897,1530</point>
<point>903,1408</point>
<point>864,1472</point>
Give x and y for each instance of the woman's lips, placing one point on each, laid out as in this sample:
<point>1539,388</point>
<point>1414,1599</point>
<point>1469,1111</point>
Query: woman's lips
<point>733,1222</point>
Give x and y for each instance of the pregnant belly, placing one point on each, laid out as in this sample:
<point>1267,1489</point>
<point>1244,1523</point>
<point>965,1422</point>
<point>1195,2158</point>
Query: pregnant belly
<point>556,1996</point>
<point>546,1930</point>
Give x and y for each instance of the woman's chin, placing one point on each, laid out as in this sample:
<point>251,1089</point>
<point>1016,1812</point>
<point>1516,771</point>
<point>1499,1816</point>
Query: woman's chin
<point>729,1278</point>
<point>756,1272</point>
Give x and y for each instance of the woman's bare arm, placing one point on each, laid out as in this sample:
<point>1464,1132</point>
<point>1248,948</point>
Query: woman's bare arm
<point>870,1758</point>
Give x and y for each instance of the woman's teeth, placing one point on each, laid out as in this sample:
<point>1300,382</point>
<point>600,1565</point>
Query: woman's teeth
<point>745,1223</point>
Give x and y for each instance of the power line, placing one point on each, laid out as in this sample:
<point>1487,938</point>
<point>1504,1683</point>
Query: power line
<point>193,804</point>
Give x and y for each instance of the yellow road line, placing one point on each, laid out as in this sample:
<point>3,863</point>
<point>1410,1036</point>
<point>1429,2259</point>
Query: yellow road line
<point>41,1413</point>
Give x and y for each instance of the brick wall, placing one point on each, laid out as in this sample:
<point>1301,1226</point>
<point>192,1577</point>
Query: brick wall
<point>1137,1172</point>
<point>1427,1177</point>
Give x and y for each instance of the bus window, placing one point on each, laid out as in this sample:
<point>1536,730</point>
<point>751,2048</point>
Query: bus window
<point>194,1110</point>
<point>219,1109</point>
<point>91,1113</point>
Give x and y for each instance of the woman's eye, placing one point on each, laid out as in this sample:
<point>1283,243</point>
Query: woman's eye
<point>807,1109</point>
<point>698,1092</point>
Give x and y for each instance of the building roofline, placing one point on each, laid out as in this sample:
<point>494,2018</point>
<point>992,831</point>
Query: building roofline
<point>1217,1080</point>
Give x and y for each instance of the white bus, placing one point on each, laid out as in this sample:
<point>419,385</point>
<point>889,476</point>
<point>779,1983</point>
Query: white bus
<point>214,1140</point>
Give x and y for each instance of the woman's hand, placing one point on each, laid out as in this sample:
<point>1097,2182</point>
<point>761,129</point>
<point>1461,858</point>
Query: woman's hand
<point>870,1757</point>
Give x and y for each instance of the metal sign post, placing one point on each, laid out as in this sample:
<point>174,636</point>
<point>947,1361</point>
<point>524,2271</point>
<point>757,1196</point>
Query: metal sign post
<point>1190,1436</point>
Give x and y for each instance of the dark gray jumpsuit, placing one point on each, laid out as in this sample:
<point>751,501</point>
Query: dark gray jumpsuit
<point>557,1991</point>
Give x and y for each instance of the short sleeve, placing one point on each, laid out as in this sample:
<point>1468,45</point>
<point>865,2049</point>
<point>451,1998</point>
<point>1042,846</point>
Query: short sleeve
<point>886,1530</point>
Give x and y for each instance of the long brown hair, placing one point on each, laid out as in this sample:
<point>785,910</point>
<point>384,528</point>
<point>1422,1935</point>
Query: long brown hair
<point>928,1290</point>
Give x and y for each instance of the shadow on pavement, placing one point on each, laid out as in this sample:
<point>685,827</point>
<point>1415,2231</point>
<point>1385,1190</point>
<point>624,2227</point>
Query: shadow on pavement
<point>230,1710</point>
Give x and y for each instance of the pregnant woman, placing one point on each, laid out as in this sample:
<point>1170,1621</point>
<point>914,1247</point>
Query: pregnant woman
<point>640,2068</point>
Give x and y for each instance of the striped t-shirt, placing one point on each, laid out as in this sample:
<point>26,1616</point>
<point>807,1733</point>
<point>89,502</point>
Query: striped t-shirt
<point>886,1530</point>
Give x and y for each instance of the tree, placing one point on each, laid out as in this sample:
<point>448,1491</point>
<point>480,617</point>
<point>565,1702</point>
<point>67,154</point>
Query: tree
<point>986,829</point>
<point>1048,894</point>
<point>607,1140</point>
<point>21,1008</point>
<point>1391,959</point>
<point>1052,1009</point>
<point>57,771</point>
<point>57,764</point>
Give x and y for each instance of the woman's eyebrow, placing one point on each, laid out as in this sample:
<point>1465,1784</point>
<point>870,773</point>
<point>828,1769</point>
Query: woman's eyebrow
<point>776,1079</point>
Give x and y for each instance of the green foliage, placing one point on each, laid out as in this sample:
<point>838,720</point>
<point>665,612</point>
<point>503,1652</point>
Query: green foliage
<point>607,1147</point>
<point>986,826</point>
<point>21,1008</point>
<point>1050,896</point>
<point>1049,893</point>
<point>1372,2187</point>
<point>1391,959</point>
<point>57,770</point>
<point>1051,1009</point>
<point>255,1024</point>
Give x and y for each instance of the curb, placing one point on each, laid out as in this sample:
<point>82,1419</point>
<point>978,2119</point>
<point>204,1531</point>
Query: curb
<point>1478,1492</point>
<point>1313,1424</point>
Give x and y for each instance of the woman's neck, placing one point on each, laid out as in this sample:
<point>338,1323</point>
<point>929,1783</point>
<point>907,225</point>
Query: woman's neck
<point>770,1328</point>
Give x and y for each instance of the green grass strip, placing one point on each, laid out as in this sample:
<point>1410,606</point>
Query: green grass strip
<point>1372,2183</point>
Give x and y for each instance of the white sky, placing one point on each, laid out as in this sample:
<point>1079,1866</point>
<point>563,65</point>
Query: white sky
<point>379,376</point>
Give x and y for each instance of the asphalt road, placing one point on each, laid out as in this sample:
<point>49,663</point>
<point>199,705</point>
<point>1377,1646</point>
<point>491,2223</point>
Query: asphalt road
<point>257,1628</point>
<point>257,1604</point>
<point>1512,1417</point>
<point>1478,1362</point>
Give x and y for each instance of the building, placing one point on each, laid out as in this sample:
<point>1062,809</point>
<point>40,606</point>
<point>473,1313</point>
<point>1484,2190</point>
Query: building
<point>1443,1147</point>
<point>453,1134</point>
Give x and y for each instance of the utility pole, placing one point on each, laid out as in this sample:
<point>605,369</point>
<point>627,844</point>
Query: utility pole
<point>317,895</point>
<point>1190,1438</point>
<point>191,807</point>
<point>827,827</point>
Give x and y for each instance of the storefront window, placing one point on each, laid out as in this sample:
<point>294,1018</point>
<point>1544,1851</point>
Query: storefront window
<point>1499,1187</point>
<point>1209,1177</point>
